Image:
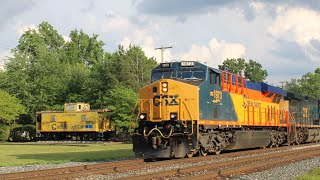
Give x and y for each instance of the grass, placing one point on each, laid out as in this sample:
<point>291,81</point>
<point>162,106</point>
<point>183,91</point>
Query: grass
<point>23,154</point>
<point>311,175</point>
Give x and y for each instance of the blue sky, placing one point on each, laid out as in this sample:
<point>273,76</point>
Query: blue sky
<point>284,36</point>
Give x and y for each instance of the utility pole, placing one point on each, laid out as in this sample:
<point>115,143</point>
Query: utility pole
<point>282,82</point>
<point>162,49</point>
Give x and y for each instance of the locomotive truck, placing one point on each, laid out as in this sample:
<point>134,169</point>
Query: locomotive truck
<point>191,108</point>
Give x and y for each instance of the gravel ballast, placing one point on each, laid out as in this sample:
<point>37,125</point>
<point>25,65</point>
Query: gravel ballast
<point>289,171</point>
<point>284,172</point>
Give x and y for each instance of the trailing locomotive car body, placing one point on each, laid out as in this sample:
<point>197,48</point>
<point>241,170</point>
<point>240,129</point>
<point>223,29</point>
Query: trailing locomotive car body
<point>76,121</point>
<point>192,108</point>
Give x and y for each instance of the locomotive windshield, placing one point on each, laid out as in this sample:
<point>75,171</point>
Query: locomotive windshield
<point>160,74</point>
<point>183,73</point>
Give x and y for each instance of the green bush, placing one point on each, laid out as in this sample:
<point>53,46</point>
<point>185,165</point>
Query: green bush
<point>4,132</point>
<point>23,133</point>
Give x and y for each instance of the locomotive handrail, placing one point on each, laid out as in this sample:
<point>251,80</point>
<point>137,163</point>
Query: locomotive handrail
<point>146,135</point>
<point>192,131</point>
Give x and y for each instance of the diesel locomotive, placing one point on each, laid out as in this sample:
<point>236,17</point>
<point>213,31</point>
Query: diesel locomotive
<point>190,108</point>
<point>76,122</point>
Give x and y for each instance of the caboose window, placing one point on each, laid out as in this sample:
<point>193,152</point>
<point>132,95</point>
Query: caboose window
<point>53,118</point>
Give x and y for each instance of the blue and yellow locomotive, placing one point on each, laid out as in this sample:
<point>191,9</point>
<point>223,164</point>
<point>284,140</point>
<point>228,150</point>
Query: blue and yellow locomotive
<point>191,108</point>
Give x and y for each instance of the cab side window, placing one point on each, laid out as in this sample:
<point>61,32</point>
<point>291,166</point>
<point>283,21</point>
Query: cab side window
<point>215,78</point>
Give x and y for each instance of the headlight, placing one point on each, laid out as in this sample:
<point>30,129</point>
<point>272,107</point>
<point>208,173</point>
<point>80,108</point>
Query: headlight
<point>164,87</point>
<point>143,116</point>
<point>164,84</point>
<point>173,116</point>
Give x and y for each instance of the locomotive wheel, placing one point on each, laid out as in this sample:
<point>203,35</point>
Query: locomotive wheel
<point>203,152</point>
<point>217,150</point>
<point>190,155</point>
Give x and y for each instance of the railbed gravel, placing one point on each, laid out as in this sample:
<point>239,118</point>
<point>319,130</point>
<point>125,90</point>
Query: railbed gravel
<point>182,165</point>
<point>37,167</point>
<point>284,172</point>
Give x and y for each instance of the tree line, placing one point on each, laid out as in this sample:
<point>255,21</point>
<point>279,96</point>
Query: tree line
<point>45,71</point>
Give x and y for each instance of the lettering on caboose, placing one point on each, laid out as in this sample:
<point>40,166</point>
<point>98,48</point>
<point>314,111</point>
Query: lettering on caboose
<point>169,100</point>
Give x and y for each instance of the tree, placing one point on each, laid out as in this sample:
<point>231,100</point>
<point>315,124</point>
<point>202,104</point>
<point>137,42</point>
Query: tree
<point>131,67</point>
<point>121,101</point>
<point>252,70</point>
<point>235,66</point>
<point>10,108</point>
<point>83,49</point>
<point>34,73</point>
<point>308,85</point>
<point>101,79</point>
<point>44,71</point>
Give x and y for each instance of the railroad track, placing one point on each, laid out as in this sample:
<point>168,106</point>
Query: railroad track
<point>212,166</point>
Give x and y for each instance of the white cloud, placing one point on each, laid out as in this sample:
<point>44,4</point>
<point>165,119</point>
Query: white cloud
<point>147,43</point>
<point>215,53</point>
<point>257,6</point>
<point>222,50</point>
<point>3,55</point>
<point>300,25</point>
<point>21,28</point>
<point>115,23</point>
<point>66,38</point>
<point>201,53</point>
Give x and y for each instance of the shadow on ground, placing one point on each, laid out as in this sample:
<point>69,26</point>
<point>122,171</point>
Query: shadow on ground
<point>79,156</point>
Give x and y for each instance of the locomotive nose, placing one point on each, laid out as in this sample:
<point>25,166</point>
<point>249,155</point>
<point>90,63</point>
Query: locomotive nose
<point>166,100</point>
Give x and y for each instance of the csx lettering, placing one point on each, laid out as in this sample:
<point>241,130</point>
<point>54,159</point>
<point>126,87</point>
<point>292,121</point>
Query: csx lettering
<point>169,100</point>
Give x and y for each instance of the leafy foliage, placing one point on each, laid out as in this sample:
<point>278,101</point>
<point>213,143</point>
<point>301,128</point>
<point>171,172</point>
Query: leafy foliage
<point>10,107</point>
<point>131,67</point>
<point>252,69</point>
<point>83,49</point>
<point>44,72</point>
<point>22,133</point>
<point>235,66</point>
<point>121,101</point>
<point>254,72</point>
<point>4,132</point>
<point>308,85</point>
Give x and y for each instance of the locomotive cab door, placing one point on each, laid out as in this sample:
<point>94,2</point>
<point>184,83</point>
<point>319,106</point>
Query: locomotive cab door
<point>214,103</point>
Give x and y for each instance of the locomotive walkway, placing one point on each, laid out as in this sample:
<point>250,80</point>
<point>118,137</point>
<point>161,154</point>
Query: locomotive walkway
<point>208,167</point>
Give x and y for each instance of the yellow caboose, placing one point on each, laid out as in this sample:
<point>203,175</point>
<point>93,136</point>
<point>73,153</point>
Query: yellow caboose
<point>77,121</point>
